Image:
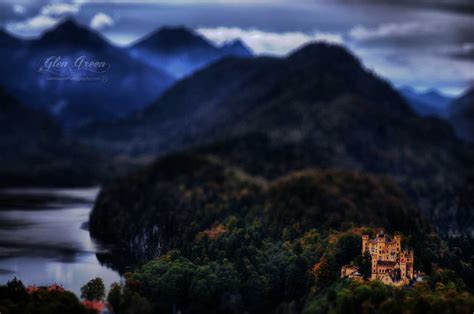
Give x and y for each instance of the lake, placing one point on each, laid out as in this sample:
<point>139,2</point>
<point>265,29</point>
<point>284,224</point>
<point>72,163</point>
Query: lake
<point>44,238</point>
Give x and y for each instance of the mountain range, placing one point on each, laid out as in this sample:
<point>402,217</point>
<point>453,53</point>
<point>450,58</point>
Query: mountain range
<point>428,103</point>
<point>318,107</point>
<point>180,51</point>
<point>78,77</point>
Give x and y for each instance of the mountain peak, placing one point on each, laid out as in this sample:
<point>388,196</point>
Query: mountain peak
<point>174,38</point>
<point>317,51</point>
<point>236,47</point>
<point>68,31</point>
<point>469,92</point>
<point>69,23</point>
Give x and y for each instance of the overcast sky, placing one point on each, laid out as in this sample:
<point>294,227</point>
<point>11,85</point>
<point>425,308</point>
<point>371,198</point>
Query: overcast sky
<point>420,43</point>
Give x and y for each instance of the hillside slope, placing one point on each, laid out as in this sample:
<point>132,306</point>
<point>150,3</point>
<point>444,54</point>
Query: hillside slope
<point>316,108</point>
<point>462,116</point>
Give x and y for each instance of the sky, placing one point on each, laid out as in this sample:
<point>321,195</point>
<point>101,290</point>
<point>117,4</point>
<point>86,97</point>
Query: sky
<point>419,43</point>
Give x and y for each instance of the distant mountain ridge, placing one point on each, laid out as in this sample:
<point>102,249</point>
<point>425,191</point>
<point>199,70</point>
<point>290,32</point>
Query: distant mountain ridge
<point>233,90</point>
<point>173,39</point>
<point>110,95</point>
<point>181,51</point>
<point>78,94</point>
<point>461,115</point>
<point>236,47</point>
<point>429,103</point>
<point>69,32</point>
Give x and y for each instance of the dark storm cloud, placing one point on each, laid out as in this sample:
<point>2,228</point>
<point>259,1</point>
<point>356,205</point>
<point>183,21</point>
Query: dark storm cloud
<point>458,6</point>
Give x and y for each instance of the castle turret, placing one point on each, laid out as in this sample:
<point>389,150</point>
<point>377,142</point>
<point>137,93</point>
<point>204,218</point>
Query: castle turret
<point>365,241</point>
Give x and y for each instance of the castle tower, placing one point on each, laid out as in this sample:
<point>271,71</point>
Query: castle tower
<point>403,266</point>
<point>398,241</point>
<point>410,263</point>
<point>365,241</point>
<point>374,270</point>
<point>380,246</point>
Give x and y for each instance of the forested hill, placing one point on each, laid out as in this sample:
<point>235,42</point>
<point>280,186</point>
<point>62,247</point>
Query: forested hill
<point>284,163</point>
<point>220,240</point>
<point>316,108</point>
<point>168,203</point>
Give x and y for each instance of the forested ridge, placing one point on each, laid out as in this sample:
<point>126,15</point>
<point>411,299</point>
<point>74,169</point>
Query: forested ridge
<point>222,240</point>
<point>268,179</point>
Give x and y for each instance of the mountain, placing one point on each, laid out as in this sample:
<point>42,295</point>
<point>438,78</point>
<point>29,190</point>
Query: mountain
<point>34,151</point>
<point>231,94</point>
<point>180,51</point>
<point>429,103</point>
<point>173,40</point>
<point>69,33</point>
<point>78,77</point>
<point>236,48</point>
<point>461,115</point>
<point>318,108</point>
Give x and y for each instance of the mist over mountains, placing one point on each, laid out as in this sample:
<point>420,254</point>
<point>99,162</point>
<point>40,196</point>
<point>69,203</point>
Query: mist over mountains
<point>428,103</point>
<point>54,74</point>
<point>180,51</point>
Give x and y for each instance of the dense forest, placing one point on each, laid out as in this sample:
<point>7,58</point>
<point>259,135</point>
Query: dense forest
<point>256,208</point>
<point>222,240</point>
<point>15,299</point>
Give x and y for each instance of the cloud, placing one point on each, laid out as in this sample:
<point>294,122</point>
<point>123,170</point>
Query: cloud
<point>59,9</point>
<point>178,2</point>
<point>33,25</point>
<point>465,51</point>
<point>268,42</point>
<point>101,20</point>
<point>391,30</point>
<point>48,16</point>
<point>419,69</point>
<point>19,9</point>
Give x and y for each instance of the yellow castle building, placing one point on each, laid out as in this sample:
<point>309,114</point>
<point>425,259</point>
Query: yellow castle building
<point>390,263</point>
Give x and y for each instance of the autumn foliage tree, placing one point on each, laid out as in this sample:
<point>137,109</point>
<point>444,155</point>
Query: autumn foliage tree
<point>93,290</point>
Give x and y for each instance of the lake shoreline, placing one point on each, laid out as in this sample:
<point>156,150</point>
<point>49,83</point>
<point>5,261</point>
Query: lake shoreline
<point>45,238</point>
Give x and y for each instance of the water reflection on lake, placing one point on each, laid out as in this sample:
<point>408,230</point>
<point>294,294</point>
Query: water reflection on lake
<point>44,238</point>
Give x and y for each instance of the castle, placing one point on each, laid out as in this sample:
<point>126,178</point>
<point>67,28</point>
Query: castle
<point>390,263</point>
